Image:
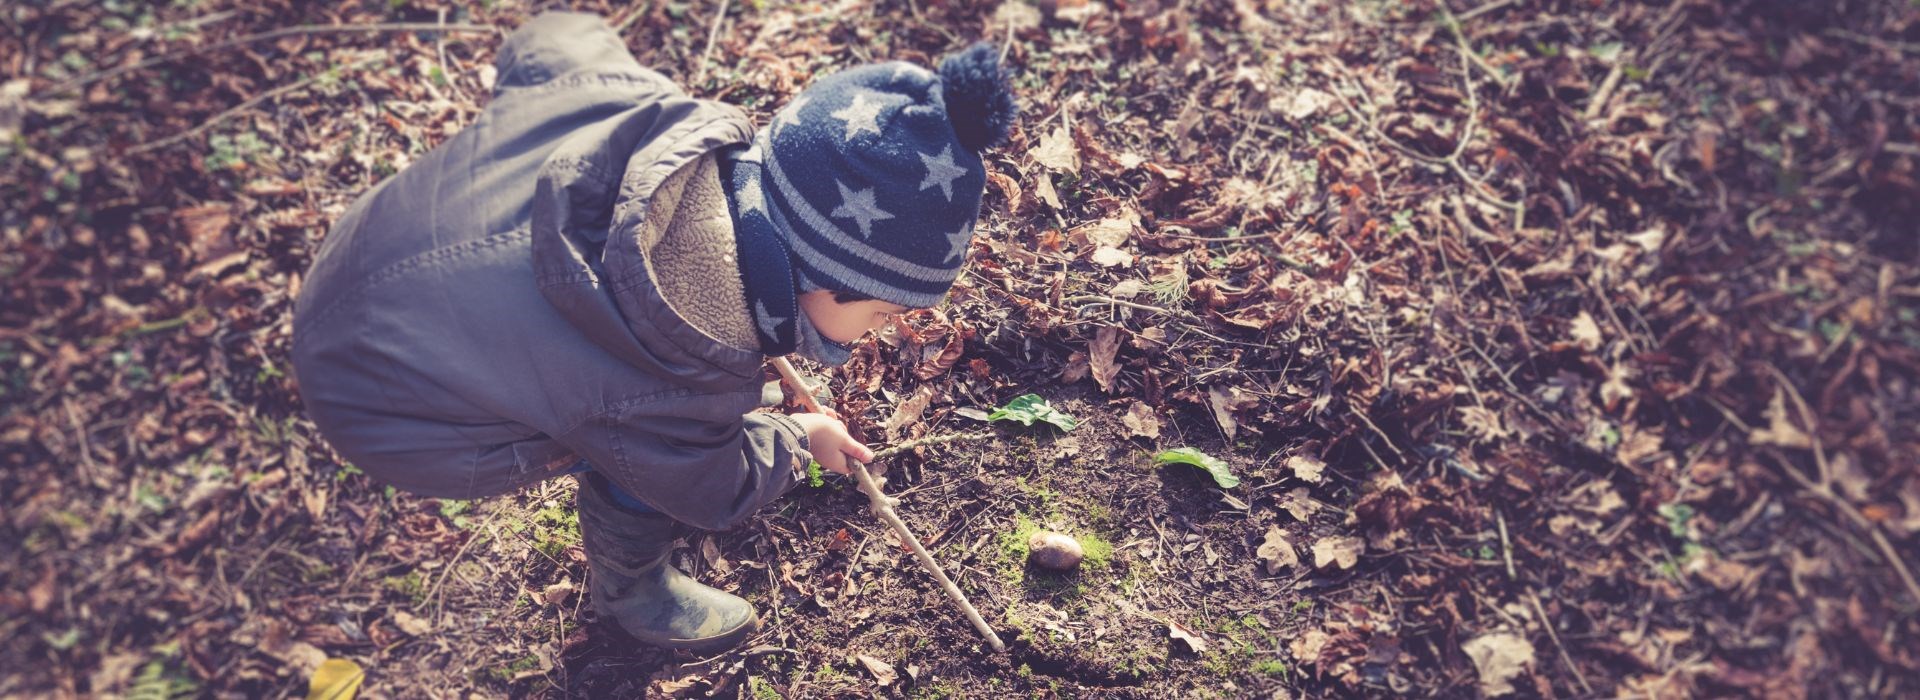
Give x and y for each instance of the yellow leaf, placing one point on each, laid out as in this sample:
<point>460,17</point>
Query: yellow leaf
<point>336,679</point>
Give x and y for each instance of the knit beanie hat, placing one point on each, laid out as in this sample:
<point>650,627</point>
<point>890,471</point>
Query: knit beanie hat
<point>872,176</point>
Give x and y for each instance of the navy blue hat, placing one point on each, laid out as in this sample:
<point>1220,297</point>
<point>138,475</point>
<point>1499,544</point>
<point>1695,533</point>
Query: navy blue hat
<point>872,176</point>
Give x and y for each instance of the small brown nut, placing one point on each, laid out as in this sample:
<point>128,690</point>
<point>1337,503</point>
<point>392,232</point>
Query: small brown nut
<point>1052,550</point>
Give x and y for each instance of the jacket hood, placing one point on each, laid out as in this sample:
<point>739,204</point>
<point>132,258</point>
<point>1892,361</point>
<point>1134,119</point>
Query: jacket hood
<point>596,215</point>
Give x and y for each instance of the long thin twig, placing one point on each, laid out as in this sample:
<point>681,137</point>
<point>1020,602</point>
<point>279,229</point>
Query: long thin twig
<point>236,109</point>
<point>713,35</point>
<point>273,34</point>
<point>1564,656</point>
<point>882,507</point>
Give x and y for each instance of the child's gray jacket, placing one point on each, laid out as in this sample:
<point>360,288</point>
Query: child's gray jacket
<point>556,280</point>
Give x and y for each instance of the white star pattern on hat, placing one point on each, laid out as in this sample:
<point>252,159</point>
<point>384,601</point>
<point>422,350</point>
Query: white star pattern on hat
<point>957,243</point>
<point>941,171</point>
<point>750,198</point>
<point>769,323</point>
<point>860,115</point>
<point>859,206</point>
<point>791,115</point>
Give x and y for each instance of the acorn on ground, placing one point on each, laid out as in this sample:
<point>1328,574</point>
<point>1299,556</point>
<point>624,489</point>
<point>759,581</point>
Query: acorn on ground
<point>1054,551</point>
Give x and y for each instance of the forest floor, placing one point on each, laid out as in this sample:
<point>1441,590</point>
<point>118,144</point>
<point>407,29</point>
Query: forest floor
<point>1560,348</point>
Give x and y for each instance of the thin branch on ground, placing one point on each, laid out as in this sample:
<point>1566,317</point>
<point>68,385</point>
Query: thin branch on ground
<point>274,34</point>
<point>244,106</point>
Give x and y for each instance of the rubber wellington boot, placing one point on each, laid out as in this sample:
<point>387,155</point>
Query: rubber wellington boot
<point>633,584</point>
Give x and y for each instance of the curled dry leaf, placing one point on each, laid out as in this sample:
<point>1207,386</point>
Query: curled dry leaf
<point>882,671</point>
<point>1307,647</point>
<point>1342,551</point>
<point>1586,333</point>
<point>1108,256</point>
<point>1056,151</point>
<point>1141,421</point>
<point>557,593</point>
<point>1499,657</point>
<point>411,625</point>
<point>1100,354</point>
<point>1276,552</point>
<point>1186,636</point>
<point>1299,503</point>
<point>1307,468</point>
<point>1111,232</point>
<point>1224,400</point>
<point>908,412</point>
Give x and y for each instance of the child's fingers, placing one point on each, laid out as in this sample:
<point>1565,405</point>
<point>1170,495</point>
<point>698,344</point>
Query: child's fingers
<point>859,451</point>
<point>833,462</point>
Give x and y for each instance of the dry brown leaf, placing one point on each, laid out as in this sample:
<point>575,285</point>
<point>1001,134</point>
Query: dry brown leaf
<point>1500,657</point>
<point>1107,256</point>
<point>1298,503</point>
<point>1100,354</point>
<point>1307,468</point>
<point>1043,188</point>
<point>1341,551</point>
<point>1193,641</point>
<point>1141,421</point>
<point>1112,232</point>
<point>411,625</point>
<point>1586,333</point>
<point>1299,104</point>
<point>558,593</point>
<point>1483,424</point>
<point>1276,552</point>
<point>1307,647</point>
<point>908,412</point>
<point>1016,15</point>
<point>1780,429</point>
<point>882,671</point>
<point>1127,289</point>
<point>1224,400</point>
<point>206,227</point>
<point>1056,151</point>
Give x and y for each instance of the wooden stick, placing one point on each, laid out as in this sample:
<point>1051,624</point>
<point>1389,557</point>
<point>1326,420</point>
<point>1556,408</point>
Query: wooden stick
<point>882,507</point>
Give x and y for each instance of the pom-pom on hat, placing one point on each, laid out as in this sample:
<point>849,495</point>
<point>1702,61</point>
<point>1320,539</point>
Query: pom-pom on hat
<point>872,176</point>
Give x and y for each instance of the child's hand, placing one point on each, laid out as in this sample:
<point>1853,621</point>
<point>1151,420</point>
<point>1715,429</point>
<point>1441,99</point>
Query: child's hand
<point>827,438</point>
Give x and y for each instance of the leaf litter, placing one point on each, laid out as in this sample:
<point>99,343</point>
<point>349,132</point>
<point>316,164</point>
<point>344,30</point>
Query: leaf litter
<point>1618,293</point>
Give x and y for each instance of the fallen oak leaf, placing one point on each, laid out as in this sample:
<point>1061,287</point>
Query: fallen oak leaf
<point>1341,551</point>
<point>1306,649</point>
<point>1307,468</point>
<point>1276,552</point>
<point>1499,657</point>
<point>1141,421</point>
<point>1056,151</point>
<point>1299,503</point>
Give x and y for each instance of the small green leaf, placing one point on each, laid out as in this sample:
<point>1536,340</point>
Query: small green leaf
<point>1030,408</point>
<point>1222,474</point>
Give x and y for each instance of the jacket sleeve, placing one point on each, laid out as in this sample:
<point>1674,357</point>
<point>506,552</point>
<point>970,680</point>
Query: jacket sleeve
<point>711,472</point>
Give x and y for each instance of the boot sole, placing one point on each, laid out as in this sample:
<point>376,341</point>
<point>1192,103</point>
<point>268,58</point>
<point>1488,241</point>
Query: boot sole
<point>703,645</point>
